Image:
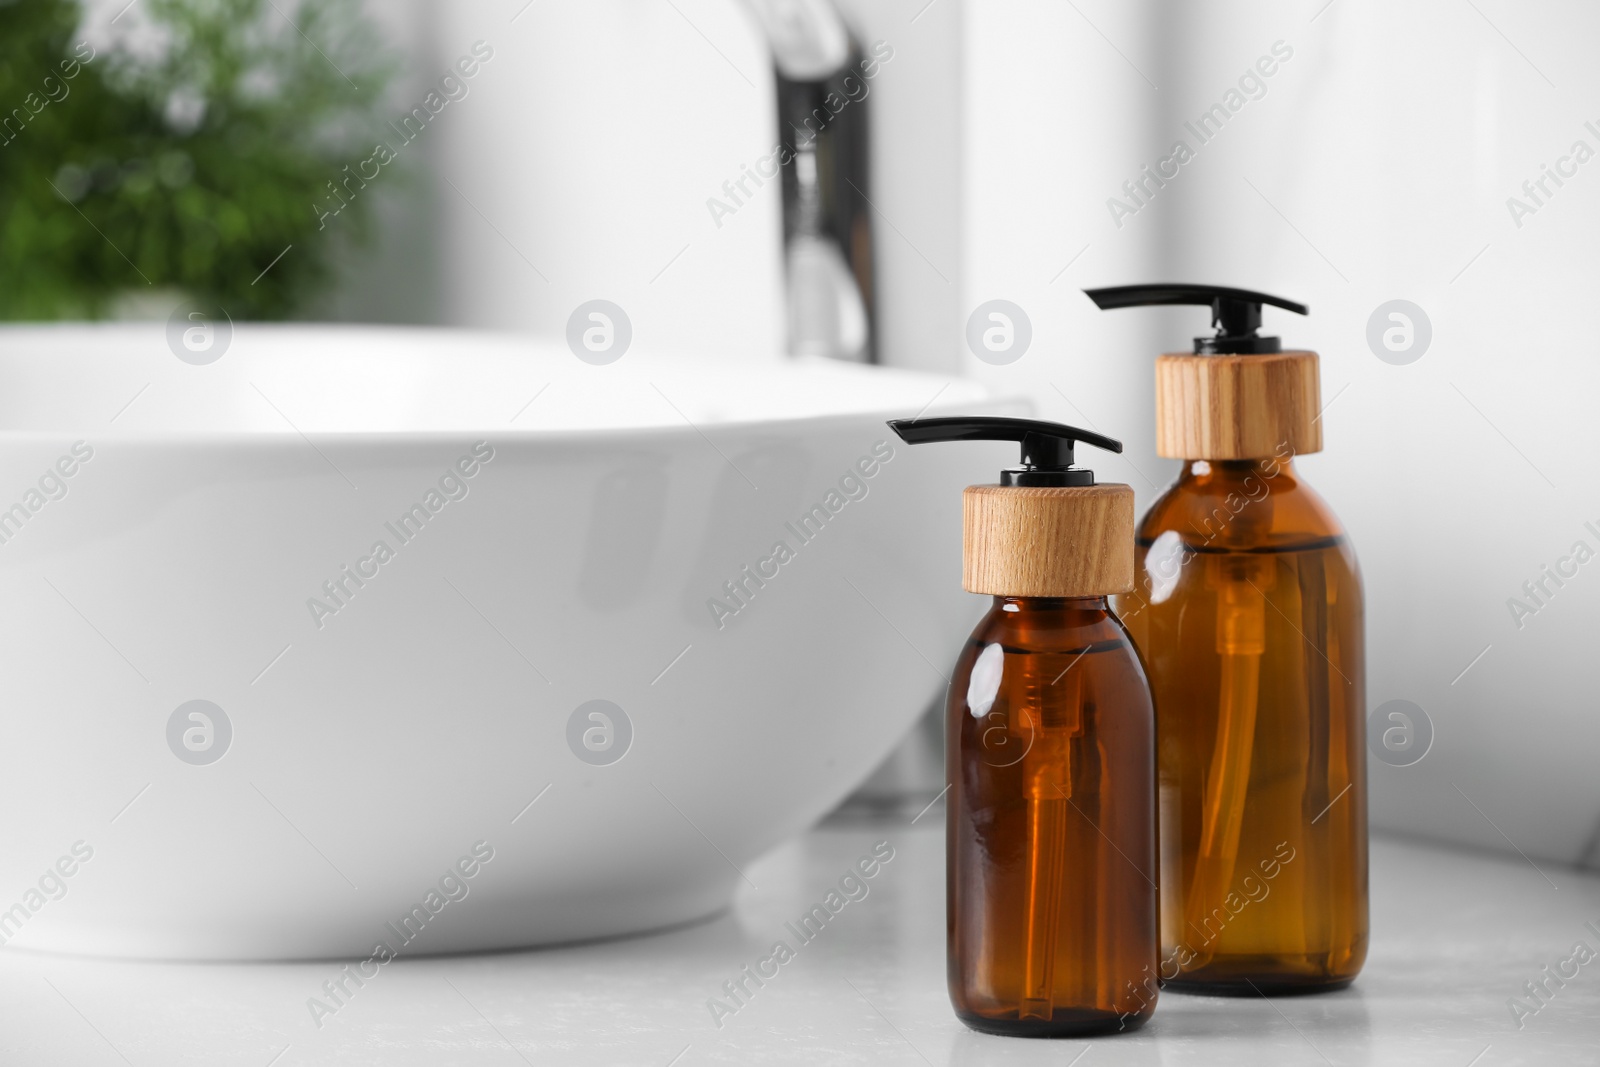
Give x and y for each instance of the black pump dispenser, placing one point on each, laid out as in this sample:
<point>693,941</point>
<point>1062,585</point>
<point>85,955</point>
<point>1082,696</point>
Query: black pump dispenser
<point>1047,447</point>
<point>1236,313</point>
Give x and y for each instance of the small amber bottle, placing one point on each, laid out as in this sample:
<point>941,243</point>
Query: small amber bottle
<point>1247,610</point>
<point>1050,851</point>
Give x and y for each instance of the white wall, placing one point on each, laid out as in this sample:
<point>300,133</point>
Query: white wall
<point>583,162</point>
<point>578,168</point>
<point>1055,117</point>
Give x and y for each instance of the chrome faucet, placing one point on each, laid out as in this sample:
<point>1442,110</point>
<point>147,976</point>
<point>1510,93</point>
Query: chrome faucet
<point>823,124</point>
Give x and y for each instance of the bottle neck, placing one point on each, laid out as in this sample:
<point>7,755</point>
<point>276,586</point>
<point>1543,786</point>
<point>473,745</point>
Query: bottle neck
<point>1026,605</point>
<point>1218,473</point>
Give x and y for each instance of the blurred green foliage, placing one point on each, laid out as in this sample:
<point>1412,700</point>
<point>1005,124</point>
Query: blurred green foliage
<point>185,156</point>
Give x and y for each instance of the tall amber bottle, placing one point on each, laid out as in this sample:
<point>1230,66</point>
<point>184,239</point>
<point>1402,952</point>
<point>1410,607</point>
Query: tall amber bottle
<point>1050,841</point>
<point>1247,610</point>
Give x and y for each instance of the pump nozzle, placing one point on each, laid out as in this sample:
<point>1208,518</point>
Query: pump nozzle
<point>1236,313</point>
<point>1047,447</point>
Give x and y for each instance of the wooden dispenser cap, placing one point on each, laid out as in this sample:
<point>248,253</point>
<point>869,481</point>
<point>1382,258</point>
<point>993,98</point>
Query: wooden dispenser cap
<point>1048,541</point>
<point>1237,406</point>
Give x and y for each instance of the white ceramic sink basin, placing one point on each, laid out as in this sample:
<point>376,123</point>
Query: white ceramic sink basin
<point>578,519</point>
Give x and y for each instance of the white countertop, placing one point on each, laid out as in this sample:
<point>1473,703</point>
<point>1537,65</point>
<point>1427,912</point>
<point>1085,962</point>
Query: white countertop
<point>1455,935</point>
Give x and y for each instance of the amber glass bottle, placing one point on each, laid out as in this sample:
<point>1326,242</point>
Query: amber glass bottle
<point>1050,849</point>
<point>1051,893</point>
<point>1247,612</point>
<point>1247,609</point>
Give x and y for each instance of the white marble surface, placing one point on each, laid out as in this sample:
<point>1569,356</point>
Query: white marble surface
<point>1455,935</point>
